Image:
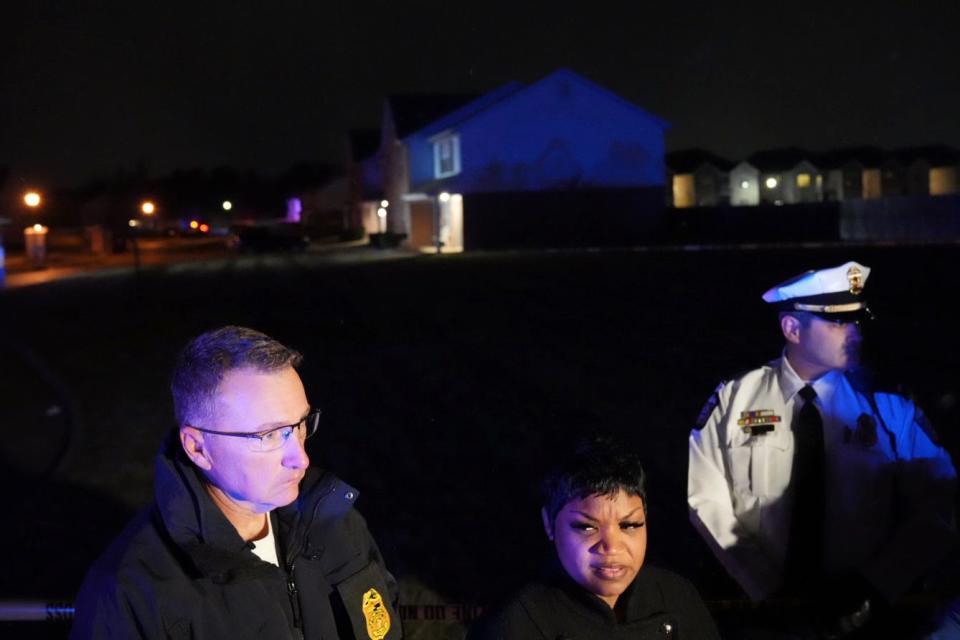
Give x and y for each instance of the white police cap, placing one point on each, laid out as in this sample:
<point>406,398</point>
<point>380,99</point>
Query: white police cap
<point>827,292</point>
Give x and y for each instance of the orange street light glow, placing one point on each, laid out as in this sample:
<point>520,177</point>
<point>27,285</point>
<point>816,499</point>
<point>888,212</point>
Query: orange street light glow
<point>204,228</point>
<point>31,199</point>
<point>148,208</point>
<point>194,224</point>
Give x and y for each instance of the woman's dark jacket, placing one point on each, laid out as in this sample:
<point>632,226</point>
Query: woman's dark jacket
<point>181,570</point>
<point>657,605</point>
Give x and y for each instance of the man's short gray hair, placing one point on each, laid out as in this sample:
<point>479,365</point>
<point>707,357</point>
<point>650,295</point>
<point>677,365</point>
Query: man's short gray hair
<point>203,363</point>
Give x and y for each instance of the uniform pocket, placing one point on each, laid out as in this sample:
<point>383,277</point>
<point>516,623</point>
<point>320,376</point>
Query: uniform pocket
<point>760,467</point>
<point>740,466</point>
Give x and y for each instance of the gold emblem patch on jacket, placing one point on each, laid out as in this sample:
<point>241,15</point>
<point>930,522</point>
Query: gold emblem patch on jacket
<point>376,615</point>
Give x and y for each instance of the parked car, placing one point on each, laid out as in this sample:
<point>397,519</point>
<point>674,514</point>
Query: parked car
<point>263,238</point>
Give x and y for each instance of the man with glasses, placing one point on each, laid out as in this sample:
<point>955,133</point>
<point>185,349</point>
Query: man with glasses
<point>810,486</point>
<point>244,539</point>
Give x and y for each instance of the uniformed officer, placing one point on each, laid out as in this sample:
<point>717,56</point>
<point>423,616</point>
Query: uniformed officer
<point>802,476</point>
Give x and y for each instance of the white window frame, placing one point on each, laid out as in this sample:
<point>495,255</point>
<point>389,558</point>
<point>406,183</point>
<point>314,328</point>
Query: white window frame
<point>453,140</point>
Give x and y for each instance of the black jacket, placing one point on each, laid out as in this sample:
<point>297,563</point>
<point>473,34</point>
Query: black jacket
<point>181,570</point>
<point>657,605</point>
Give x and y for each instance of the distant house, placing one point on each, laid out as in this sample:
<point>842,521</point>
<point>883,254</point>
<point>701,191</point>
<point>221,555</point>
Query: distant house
<point>853,173</point>
<point>930,170</point>
<point>893,177</point>
<point>560,134</point>
<point>787,176</point>
<point>364,180</point>
<point>744,185</point>
<point>326,206</point>
<point>698,178</point>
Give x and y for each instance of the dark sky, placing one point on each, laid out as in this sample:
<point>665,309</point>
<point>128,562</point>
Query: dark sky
<point>88,87</point>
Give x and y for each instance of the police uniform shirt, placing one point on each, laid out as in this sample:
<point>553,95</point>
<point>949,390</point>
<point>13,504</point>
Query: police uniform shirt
<point>888,493</point>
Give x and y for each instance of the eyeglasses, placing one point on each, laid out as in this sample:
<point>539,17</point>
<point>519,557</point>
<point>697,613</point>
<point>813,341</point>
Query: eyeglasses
<point>273,439</point>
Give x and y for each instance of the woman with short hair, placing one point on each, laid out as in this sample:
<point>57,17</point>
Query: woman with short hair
<point>595,514</point>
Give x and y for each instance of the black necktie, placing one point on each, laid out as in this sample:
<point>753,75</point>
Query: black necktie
<point>804,561</point>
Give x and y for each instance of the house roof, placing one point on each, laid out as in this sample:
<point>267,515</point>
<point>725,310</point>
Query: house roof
<point>689,160</point>
<point>415,111</point>
<point>937,155</point>
<point>576,77</point>
<point>470,108</point>
<point>780,159</point>
<point>867,156</point>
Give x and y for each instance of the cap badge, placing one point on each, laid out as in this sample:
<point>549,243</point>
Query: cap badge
<point>855,278</point>
<point>376,615</point>
<point>758,422</point>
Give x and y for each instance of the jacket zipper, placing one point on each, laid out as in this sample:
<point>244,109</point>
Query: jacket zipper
<point>294,598</point>
<point>291,585</point>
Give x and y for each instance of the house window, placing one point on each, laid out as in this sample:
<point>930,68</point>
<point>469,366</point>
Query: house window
<point>684,191</point>
<point>803,180</point>
<point>943,181</point>
<point>872,183</point>
<point>446,156</point>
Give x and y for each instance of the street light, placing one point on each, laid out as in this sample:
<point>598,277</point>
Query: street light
<point>148,208</point>
<point>32,199</point>
<point>227,205</point>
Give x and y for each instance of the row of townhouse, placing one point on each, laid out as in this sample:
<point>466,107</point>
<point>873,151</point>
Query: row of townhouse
<point>789,176</point>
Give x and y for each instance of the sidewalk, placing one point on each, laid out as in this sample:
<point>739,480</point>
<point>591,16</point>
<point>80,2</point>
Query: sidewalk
<point>21,272</point>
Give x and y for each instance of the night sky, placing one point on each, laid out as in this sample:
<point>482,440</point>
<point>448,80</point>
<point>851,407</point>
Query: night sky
<point>89,87</point>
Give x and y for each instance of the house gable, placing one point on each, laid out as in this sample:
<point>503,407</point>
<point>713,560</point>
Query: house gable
<point>560,132</point>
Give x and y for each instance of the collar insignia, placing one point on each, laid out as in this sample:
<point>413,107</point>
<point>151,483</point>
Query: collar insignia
<point>855,278</point>
<point>376,615</point>
<point>758,422</point>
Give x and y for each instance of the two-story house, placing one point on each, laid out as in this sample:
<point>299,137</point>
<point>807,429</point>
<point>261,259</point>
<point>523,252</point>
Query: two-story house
<point>459,164</point>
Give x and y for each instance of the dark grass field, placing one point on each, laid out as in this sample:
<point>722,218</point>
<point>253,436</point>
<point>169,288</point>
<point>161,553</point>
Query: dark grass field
<point>446,384</point>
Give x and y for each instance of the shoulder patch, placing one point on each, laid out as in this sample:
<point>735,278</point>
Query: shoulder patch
<point>708,408</point>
